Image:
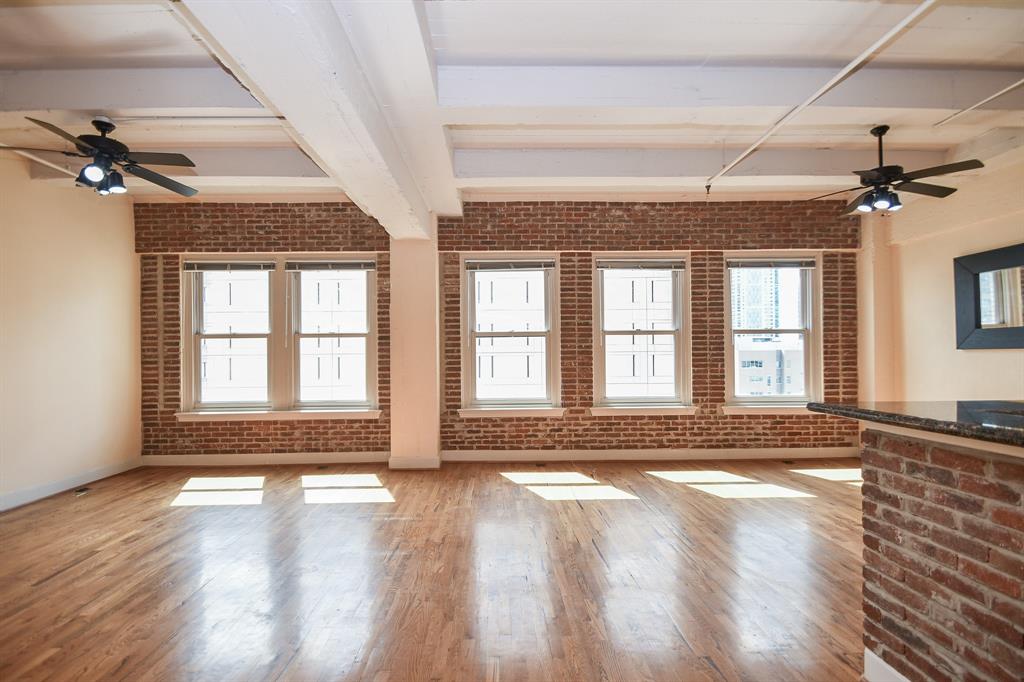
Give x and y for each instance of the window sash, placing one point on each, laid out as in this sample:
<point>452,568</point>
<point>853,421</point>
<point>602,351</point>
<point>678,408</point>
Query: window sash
<point>809,287</point>
<point>197,354</point>
<point>679,302</point>
<point>790,398</point>
<point>470,364</point>
<point>295,286</point>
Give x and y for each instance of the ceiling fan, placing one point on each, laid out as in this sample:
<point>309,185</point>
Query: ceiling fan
<point>884,180</point>
<point>106,152</point>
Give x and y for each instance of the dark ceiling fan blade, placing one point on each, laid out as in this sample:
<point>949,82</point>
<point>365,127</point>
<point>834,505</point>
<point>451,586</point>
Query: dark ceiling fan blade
<point>160,159</point>
<point>869,176</point>
<point>162,180</point>
<point>34,149</point>
<point>924,188</point>
<point>852,206</point>
<point>831,194</point>
<point>943,170</point>
<point>63,133</point>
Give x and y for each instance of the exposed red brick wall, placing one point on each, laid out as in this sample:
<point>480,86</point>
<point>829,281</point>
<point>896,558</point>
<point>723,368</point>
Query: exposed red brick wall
<point>226,228</point>
<point>617,226</point>
<point>163,231</point>
<point>579,229</point>
<point>944,560</point>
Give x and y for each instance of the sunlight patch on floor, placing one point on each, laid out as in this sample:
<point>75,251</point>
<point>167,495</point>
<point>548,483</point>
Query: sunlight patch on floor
<point>347,495</point>
<point>700,477</point>
<point>547,477</point>
<point>341,481</point>
<point>217,498</point>
<point>580,492</point>
<point>224,483</point>
<point>748,490</point>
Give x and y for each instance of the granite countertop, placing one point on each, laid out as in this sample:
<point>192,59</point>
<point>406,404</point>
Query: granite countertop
<point>996,421</point>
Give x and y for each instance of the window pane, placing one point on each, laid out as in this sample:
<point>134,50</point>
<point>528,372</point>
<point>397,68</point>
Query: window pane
<point>332,369</point>
<point>637,299</point>
<point>236,302</point>
<point>233,370</point>
<point>333,301</point>
<point>511,368</point>
<point>511,301</point>
<point>640,366</point>
<point>767,298</point>
<point>769,365</point>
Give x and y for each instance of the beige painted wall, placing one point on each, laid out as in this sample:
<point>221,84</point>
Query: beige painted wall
<point>69,336</point>
<point>986,213</point>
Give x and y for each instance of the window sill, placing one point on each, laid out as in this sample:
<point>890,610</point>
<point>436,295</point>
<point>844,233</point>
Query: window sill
<point>644,410</point>
<point>274,415</point>
<point>504,412</point>
<point>781,408</point>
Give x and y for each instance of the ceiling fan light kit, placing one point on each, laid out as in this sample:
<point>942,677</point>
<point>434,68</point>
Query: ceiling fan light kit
<point>106,152</point>
<point>883,182</point>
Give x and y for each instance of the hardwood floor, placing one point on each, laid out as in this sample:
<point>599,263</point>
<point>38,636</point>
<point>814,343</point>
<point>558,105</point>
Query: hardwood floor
<point>467,575</point>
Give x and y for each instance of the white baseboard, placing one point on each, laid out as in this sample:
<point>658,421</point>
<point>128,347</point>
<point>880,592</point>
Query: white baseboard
<point>877,670</point>
<point>264,458</point>
<point>17,498</point>
<point>641,455</point>
<point>414,463</point>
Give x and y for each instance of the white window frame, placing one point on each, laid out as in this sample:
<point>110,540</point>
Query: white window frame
<point>812,302</point>
<point>683,344</point>
<point>470,335</point>
<point>282,339</point>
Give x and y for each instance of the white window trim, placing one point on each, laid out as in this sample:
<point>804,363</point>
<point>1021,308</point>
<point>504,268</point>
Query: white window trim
<point>813,370</point>
<point>682,335</point>
<point>274,415</point>
<point>554,383</point>
<point>282,357</point>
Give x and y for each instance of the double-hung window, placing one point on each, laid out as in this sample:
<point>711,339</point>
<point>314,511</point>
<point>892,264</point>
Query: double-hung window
<point>511,354</point>
<point>332,324</point>
<point>640,341</point>
<point>278,333</point>
<point>772,344</point>
<point>231,341</point>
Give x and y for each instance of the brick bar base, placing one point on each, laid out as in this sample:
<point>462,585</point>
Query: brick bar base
<point>943,560</point>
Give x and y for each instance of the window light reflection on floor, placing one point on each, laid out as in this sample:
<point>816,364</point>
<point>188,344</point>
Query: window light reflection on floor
<point>224,483</point>
<point>844,475</point>
<point>700,477</point>
<point>347,495</point>
<point>580,492</point>
<point>748,490</point>
<point>547,477</point>
<point>341,481</point>
<point>217,498</point>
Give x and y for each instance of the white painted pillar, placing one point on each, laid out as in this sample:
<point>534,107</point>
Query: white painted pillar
<point>875,310</point>
<point>415,355</point>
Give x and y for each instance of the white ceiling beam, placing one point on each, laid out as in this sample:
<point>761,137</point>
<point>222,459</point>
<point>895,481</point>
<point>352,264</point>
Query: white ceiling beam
<point>467,87</point>
<point>646,168</point>
<point>997,147</point>
<point>298,59</point>
<point>392,40</point>
<point>183,90</point>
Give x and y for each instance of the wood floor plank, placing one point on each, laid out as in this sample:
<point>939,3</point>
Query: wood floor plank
<point>466,575</point>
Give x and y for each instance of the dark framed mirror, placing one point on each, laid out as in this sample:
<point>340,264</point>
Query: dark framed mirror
<point>990,298</point>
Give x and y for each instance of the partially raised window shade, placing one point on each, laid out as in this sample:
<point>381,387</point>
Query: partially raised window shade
<point>510,265</point>
<point>201,266</point>
<point>640,264</point>
<point>296,266</point>
<point>804,263</point>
